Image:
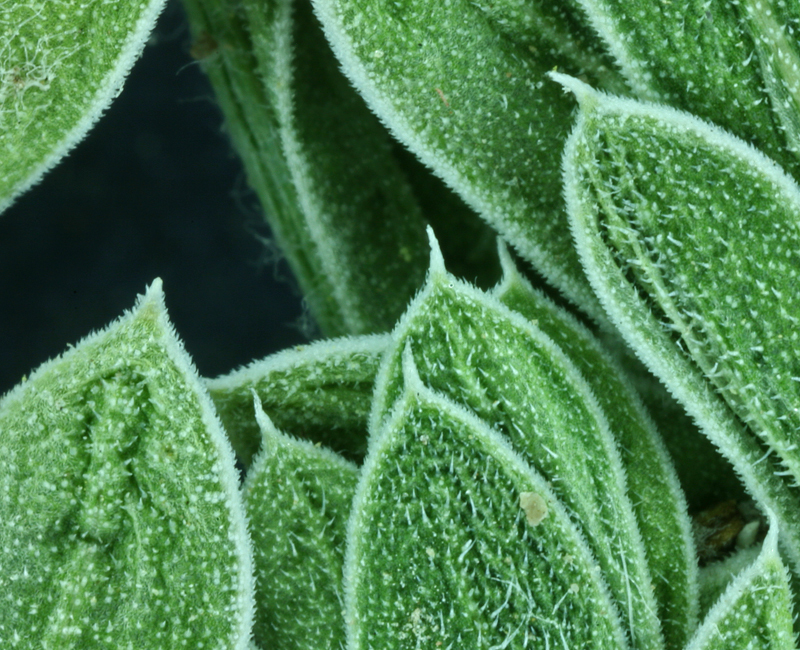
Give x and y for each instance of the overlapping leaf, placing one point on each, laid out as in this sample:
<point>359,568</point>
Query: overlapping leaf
<point>338,203</point>
<point>61,65</point>
<point>320,392</point>
<point>755,612</point>
<point>491,360</point>
<point>706,477</point>
<point>361,219</point>
<point>734,63</point>
<point>297,496</point>
<point>692,241</point>
<point>458,84</point>
<point>121,522</point>
<point>653,488</point>
<point>558,28</point>
<point>455,542</point>
<point>717,577</point>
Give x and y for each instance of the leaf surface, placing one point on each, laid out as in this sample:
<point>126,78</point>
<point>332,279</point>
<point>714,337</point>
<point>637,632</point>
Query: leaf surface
<point>362,222</point>
<point>491,360</point>
<point>692,241</point>
<point>653,488</point>
<point>455,542</point>
<point>734,63</point>
<point>457,84</point>
<point>297,496</point>
<point>321,392</point>
<point>121,521</point>
<point>61,65</point>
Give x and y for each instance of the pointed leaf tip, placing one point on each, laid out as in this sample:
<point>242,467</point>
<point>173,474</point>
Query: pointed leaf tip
<point>507,265</point>
<point>583,92</point>
<point>156,287</point>
<point>265,425</point>
<point>152,305</point>
<point>437,266</point>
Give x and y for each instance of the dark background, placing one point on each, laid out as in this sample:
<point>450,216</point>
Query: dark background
<point>154,190</point>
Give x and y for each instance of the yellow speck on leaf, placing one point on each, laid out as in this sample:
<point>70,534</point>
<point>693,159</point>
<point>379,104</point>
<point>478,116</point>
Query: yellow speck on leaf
<point>534,506</point>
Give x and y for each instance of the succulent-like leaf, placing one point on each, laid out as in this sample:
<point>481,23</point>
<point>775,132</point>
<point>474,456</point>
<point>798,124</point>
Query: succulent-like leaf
<point>480,354</point>
<point>472,102</point>
<point>653,488</point>
<point>734,63</point>
<point>755,612</point>
<point>454,542</point>
<point>692,241</point>
<point>61,65</point>
<point>321,392</point>
<point>121,521</point>
<point>298,496</point>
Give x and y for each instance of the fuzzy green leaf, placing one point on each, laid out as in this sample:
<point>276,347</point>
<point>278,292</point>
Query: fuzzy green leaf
<point>706,477</point>
<point>755,612</point>
<point>455,542</point>
<point>491,360</point>
<point>297,496</point>
<point>365,226</point>
<point>653,487</point>
<point>470,99</point>
<point>321,392</point>
<point>734,63</point>
<point>340,208</point>
<point>717,576</point>
<point>61,65</point>
<point>121,521</point>
<point>561,29</point>
<point>692,241</point>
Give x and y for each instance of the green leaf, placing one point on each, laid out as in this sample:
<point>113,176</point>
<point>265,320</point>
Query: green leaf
<point>716,577</point>
<point>471,101</point>
<point>60,68</point>
<point>121,521</point>
<point>335,197</point>
<point>560,28</point>
<point>734,63</point>
<point>653,488</point>
<point>455,542</point>
<point>755,612</point>
<point>321,392</point>
<point>706,477</point>
<point>364,222</point>
<point>297,496</point>
<point>491,360</point>
<point>469,244</point>
<point>691,239</point>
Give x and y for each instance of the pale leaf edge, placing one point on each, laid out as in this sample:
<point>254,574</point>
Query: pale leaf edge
<point>110,89</point>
